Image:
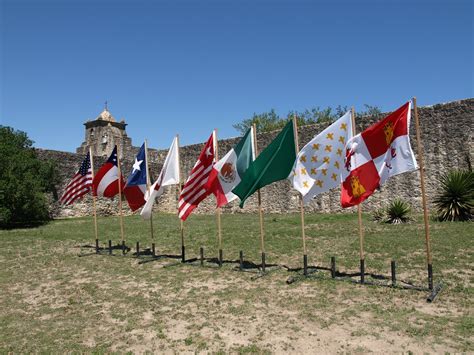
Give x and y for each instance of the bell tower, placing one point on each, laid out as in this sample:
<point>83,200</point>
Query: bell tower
<point>103,133</point>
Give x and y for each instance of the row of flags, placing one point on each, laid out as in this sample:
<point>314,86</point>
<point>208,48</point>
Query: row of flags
<point>359,164</point>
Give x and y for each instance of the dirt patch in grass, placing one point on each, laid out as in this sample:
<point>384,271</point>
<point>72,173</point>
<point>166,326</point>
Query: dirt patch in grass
<point>54,301</point>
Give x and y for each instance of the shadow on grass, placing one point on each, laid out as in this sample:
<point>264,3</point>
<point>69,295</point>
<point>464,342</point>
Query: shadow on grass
<point>24,225</point>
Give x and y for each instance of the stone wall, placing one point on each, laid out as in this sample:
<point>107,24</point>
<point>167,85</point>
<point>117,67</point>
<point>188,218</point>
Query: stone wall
<point>448,143</point>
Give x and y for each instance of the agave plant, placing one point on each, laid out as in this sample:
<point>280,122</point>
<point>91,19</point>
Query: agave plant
<point>455,202</point>
<point>398,211</point>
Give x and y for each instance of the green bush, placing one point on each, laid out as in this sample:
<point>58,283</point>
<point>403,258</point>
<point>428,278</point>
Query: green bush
<point>455,202</point>
<point>398,211</point>
<point>24,179</point>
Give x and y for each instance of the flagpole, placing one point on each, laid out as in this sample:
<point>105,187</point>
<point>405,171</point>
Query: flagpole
<point>93,202</point>
<point>260,210</point>
<point>359,216</point>
<point>303,234</point>
<point>218,209</point>
<point>181,223</point>
<point>423,197</point>
<point>148,191</point>
<point>120,198</point>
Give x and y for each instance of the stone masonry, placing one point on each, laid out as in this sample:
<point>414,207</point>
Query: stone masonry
<point>446,132</point>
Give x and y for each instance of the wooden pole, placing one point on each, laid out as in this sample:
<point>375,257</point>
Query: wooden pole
<point>181,223</point>
<point>260,210</point>
<point>148,189</point>
<point>93,202</point>
<point>120,198</point>
<point>218,210</point>
<point>303,234</point>
<point>423,197</point>
<point>359,216</point>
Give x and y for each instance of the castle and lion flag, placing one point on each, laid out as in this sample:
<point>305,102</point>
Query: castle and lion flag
<point>135,189</point>
<point>274,163</point>
<point>169,175</point>
<point>80,183</point>
<point>319,166</point>
<point>194,190</point>
<point>228,171</point>
<point>381,151</point>
<point>106,181</point>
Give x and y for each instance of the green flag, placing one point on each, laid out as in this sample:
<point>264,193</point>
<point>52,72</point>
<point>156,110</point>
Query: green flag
<point>274,163</point>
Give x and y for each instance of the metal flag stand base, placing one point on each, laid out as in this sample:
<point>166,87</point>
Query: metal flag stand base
<point>107,250</point>
<point>309,272</point>
<point>259,270</point>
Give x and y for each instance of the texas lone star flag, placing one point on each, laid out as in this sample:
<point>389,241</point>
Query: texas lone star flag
<point>319,166</point>
<point>381,151</point>
<point>169,175</point>
<point>135,189</point>
<point>106,180</point>
<point>228,171</point>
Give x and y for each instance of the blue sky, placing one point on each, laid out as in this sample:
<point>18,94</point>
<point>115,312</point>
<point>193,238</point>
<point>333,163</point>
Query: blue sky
<point>187,67</point>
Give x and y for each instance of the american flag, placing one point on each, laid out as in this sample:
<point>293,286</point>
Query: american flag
<point>193,191</point>
<point>80,184</point>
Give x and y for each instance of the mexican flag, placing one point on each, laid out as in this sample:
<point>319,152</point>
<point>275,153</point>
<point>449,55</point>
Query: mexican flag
<point>274,163</point>
<point>228,171</point>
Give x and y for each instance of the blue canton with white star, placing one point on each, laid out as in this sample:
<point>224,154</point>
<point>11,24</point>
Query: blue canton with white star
<point>138,175</point>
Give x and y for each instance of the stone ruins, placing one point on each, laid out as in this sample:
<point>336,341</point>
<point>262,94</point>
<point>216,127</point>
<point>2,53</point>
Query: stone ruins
<point>447,132</point>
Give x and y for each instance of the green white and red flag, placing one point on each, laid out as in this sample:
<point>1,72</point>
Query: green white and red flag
<point>228,171</point>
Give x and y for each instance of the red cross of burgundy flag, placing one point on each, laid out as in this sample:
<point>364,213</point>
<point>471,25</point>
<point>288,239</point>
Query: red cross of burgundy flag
<point>194,190</point>
<point>381,151</point>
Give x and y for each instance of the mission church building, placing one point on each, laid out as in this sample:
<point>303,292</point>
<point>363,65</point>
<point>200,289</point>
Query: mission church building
<point>103,133</point>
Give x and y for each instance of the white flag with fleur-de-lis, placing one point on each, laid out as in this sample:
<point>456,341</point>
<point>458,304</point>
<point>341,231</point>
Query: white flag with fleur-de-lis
<point>319,166</point>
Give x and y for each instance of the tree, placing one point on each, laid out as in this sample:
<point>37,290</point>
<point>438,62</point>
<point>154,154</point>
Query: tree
<point>270,121</point>
<point>24,180</point>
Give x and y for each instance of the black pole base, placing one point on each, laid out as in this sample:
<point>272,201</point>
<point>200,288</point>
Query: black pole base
<point>110,247</point>
<point>220,258</point>
<point>97,246</point>
<point>263,262</point>
<point>393,268</point>
<point>201,255</point>
<point>183,254</point>
<point>362,271</point>
<point>436,290</point>
<point>241,260</point>
<point>138,249</point>
<point>333,267</point>
<point>153,251</point>
<point>305,265</point>
<point>430,276</point>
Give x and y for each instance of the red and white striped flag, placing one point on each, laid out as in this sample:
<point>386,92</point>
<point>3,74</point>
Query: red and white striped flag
<point>80,184</point>
<point>193,191</point>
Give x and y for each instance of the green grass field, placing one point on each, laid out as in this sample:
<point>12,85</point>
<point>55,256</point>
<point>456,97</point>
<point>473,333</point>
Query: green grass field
<point>52,300</point>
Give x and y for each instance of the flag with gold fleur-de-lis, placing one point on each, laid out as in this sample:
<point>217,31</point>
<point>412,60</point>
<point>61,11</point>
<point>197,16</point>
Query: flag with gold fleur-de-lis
<point>319,166</point>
